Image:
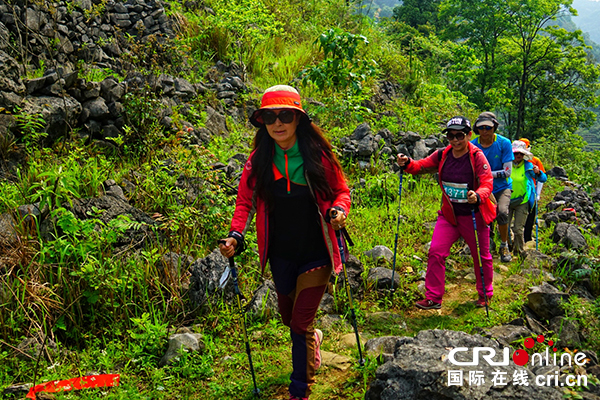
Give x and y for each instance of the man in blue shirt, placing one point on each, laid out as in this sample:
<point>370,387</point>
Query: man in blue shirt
<point>498,151</point>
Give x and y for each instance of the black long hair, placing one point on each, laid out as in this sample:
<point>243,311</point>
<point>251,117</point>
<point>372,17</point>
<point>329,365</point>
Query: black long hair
<point>312,145</point>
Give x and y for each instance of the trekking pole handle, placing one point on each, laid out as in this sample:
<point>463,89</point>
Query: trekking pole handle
<point>231,261</point>
<point>344,232</point>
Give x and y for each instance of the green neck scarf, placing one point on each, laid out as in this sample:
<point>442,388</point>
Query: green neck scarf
<point>290,163</point>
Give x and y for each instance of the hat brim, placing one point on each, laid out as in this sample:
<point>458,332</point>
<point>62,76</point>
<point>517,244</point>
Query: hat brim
<point>257,121</point>
<point>484,123</point>
<point>456,128</point>
<point>527,153</point>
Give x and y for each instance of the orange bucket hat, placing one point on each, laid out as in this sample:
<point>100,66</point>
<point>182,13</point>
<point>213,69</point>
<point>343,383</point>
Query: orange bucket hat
<point>277,97</point>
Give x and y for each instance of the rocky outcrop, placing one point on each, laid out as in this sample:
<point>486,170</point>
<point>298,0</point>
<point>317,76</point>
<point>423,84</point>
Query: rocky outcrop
<point>421,369</point>
<point>573,206</point>
<point>57,39</point>
<point>362,145</point>
<point>65,32</point>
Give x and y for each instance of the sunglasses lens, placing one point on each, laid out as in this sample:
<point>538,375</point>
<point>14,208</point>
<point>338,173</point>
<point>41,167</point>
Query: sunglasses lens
<point>485,128</point>
<point>286,116</point>
<point>269,117</point>
<point>457,136</point>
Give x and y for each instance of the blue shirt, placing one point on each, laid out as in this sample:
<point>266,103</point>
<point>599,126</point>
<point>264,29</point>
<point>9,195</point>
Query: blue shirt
<point>497,154</point>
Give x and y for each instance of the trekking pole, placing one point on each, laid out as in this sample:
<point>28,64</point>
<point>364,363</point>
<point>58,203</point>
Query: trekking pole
<point>397,227</point>
<point>339,234</point>
<point>487,311</point>
<point>236,290</point>
<point>537,230</point>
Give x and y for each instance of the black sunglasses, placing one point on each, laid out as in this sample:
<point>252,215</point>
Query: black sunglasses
<point>457,135</point>
<point>285,116</point>
<point>485,128</point>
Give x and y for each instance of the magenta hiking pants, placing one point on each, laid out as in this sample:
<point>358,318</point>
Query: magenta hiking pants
<point>444,236</point>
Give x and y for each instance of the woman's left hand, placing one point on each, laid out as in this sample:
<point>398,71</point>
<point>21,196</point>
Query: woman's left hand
<point>338,219</point>
<point>471,197</point>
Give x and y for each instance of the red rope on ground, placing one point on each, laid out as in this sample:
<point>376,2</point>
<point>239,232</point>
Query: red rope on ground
<point>84,382</point>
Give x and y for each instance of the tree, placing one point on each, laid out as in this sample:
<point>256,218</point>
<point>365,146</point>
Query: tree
<point>551,68</point>
<point>532,72</point>
<point>479,24</point>
<point>418,13</point>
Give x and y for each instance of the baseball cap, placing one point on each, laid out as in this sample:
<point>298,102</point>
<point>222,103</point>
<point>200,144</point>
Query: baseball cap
<point>486,118</point>
<point>458,123</point>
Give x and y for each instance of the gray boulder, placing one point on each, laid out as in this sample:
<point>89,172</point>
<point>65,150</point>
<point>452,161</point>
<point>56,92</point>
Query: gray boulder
<point>204,280</point>
<point>95,109</point>
<point>420,150</point>
<point>367,146</point>
<point>58,113</point>
<point>264,301</point>
<point>111,90</point>
<point>381,278</point>
<point>216,123</point>
<point>421,365</point>
<point>181,342</point>
<point>379,252</point>
<point>184,89</point>
<point>545,301</point>
<point>569,236</point>
<point>361,131</point>
<point>567,331</point>
<point>557,172</point>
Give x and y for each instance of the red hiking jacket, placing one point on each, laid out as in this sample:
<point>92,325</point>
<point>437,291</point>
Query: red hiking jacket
<point>247,204</point>
<point>484,182</point>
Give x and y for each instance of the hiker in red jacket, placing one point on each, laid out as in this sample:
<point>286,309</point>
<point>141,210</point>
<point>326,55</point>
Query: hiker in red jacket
<point>295,185</point>
<point>466,181</point>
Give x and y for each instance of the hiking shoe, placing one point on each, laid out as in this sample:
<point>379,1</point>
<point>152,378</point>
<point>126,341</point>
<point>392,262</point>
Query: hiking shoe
<point>505,254</point>
<point>428,305</point>
<point>481,301</point>
<point>318,341</point>
<point>297,398</point>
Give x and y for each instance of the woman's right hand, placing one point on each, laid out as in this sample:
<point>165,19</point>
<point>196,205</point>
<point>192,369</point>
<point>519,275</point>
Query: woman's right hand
<point>402,160</point>
<point>227,247</point>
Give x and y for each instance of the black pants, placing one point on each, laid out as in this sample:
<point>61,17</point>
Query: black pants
<point>530,223</point>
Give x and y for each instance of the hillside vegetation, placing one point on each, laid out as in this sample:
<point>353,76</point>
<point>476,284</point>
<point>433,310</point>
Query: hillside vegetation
<point>113,204</point>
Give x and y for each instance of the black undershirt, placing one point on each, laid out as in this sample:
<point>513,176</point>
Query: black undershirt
<point>295,233</point>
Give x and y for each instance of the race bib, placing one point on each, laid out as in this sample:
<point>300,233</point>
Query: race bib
<point>456,191</point>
